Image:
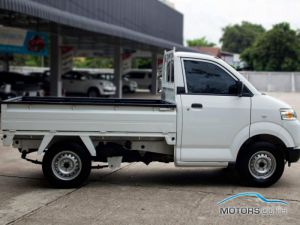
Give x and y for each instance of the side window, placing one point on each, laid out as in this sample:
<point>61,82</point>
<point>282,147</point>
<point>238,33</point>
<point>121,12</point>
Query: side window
<point>105,76</point>
<point>101,76</point>
<point>136,75</point>
<point>76,76</point>
<point>208,78</point>
<point>172,75</point>
<point>110,77</point>
<point>67,76</point>
<point>170,72</point>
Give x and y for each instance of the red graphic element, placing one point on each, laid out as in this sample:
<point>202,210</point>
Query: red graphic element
<point>36,44</point>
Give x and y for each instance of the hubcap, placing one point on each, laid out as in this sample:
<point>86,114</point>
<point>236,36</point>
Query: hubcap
<point>66,165</point>
<point>262,165</point>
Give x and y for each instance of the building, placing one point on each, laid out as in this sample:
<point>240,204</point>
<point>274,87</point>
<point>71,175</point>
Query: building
<point>168,3</point>
<point>110,27</point>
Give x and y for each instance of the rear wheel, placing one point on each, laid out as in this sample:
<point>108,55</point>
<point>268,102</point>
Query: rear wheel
<point>261,164</point>
<point>66,165</point>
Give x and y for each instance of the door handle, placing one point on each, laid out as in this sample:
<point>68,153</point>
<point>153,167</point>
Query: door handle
<point>197,106</point>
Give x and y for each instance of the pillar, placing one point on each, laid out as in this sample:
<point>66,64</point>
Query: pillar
<point>154,74</point>
<point>55,65</point>
<point>293,82</point>
<point>118,71</point>
<point>6,62</point>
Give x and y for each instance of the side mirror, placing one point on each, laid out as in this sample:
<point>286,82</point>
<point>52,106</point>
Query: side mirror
<point>240,88</point>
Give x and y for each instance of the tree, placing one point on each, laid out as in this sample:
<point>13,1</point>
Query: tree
<point>236,38</point>
<point>142,63</point>
<point>29,60</point>
<point>200,42</point>
<point>276,50</point>
<point>93,62</point>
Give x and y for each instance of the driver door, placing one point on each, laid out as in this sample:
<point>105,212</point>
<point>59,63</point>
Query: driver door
<point>213,113</point>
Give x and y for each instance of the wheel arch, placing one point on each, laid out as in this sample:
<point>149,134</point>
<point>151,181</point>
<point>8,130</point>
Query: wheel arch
<point>263,138</point>
<point>265,131</point>
<point>83,140</point>
<point>95,88</point>
<point>273,129</point>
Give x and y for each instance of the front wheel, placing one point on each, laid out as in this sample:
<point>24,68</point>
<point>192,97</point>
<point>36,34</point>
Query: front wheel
<point>93,93</point>
<point>261,164</point>
<point>126,89</point>
<point>66,165</point>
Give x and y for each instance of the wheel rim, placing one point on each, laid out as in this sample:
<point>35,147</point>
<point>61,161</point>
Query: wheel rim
<point>262,165</point>
<point>66,165</point>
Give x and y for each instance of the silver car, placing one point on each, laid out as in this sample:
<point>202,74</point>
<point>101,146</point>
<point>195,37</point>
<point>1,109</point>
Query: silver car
<point>129,86</point>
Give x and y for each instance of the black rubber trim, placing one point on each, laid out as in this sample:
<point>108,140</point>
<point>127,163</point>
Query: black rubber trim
<point>293,155</point>
<point>180,90</point>
<point>89,101</point>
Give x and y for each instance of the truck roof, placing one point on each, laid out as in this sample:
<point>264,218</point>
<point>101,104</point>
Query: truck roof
<point>195,55</point>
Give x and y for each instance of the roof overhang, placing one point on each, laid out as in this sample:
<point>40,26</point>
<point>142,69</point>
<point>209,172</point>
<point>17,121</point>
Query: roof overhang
<point>63,18</point>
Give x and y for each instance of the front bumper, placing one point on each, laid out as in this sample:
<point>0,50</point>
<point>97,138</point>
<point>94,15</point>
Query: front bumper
<point>132,89</point>
<point>108,93</point>
<point>293,155</point>
<point>293,128</point>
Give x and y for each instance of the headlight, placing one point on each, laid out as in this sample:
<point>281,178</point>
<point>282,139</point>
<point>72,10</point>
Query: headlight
<point>288,114</point>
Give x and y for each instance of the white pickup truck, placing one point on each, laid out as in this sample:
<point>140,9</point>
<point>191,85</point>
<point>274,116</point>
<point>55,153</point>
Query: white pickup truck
<point>208,115</point>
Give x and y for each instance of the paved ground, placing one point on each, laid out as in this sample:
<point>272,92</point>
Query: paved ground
<point>138,194</point>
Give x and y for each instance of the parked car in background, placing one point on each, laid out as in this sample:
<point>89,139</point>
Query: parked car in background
<point>143,77</point>
<point>43,79</point>
<point>81,82</point>
<point>16,84</point>
<point>12,78</point>
<point>6,93</point>
<point>129,86</point>
<point>40,76</point>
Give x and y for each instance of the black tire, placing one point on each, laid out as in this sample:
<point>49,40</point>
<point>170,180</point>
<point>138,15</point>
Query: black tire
<point>93,93</point>
<point>263,155</point>
<point>71,153</point>
<point>126,89</point>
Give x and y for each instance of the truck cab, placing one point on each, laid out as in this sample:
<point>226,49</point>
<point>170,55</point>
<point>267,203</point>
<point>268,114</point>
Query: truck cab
<point>222,118</point>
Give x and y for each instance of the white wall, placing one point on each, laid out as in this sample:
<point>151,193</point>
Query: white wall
<point>274,81</point>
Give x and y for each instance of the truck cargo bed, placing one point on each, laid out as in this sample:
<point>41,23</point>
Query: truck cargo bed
<point>90,101</point>
<point>88,115</point>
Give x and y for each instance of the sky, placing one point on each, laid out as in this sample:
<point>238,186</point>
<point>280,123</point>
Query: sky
<point>208,17</point>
